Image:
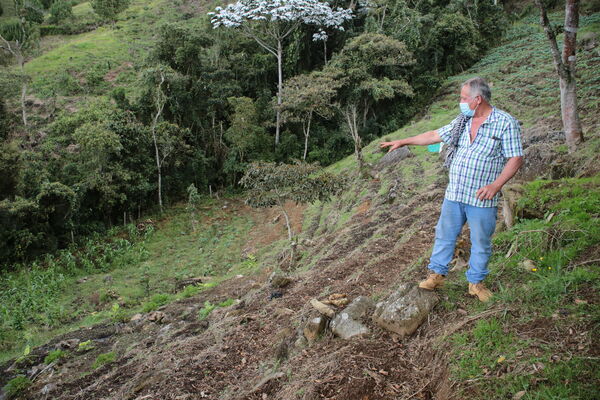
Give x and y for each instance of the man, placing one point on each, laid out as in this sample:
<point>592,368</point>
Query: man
<point>488,153</point>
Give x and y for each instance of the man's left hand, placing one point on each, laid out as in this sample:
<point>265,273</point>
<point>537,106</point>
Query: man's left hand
<point>487,192</point>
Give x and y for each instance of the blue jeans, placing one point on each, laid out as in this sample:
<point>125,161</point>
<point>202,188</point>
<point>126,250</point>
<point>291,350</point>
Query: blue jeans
<point>482,223</point>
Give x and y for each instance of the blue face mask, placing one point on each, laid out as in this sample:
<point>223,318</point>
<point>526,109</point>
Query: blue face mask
<point>464,108</point>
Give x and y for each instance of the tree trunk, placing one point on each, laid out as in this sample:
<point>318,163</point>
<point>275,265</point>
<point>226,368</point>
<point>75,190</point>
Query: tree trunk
<point>565,67</point>
<point>279,89</point>
<point>23,90</point>
<point>159,108</point>
<point>158,169</point>
<point>568,93</point>
<point>351,114</point>
<point>306,130</point>
<point>287,221</point>
<point>570,116</point>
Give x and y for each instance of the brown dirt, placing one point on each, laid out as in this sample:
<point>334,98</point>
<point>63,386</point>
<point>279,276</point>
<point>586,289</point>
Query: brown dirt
<point>228,357</point>
<point>114,73</point>
<point>232,354</point>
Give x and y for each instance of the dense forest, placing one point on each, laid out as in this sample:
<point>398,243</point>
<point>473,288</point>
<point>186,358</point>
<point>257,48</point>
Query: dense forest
<point>200,101</point>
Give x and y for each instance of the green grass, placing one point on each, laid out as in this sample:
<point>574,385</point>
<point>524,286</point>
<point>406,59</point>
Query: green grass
<point>104,359</point>
<point>559,284</point>
<point>17,385</point>
<point>205,311</point>
<point>55,355</point>
<point>77,64</point>
<point>8,8</point>
<point>139,275</point>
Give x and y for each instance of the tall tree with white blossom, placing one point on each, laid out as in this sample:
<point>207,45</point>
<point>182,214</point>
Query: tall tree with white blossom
<point>270,22</point>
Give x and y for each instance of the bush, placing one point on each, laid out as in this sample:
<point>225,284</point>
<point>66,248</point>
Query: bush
<point>60,11</point>
<point>16,386</point>
<point>55,355</point>
<point>104,359</point>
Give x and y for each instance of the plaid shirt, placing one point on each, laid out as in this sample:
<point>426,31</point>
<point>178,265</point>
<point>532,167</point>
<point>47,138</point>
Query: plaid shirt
<point>478,164</point>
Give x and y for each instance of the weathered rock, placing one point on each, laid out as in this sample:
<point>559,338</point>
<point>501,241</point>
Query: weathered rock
<point>157,316</point>
<point>314,327</point>
<point>322,308</point>
<point>405,309</point>
<point>136,318</point>
<point>278,280</point>
<point>67,344</point>
<point>189,282</point>
<point>164,334</point>
<point>392,158</point>
<point>348,323</point>
<point>48,388</point>
<point>337,299</point>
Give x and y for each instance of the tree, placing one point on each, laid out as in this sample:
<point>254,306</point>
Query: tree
<point>17,37</point>
<point>166,136</point>
<point>271,184</point>
<point>369,70</point>
<point>270,22</point>
<point>306,95</point>
<point>565,67</point>
<point>109,9</point>
<point>245,131</point>
<point>60,10</point>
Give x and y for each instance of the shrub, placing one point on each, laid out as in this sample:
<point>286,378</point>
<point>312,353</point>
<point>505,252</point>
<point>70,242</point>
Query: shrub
<point>60,11</point>
<point>16,386</point>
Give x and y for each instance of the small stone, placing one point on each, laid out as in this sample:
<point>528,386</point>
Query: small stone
<point>48,388</point>
<point>136,317</point>
<point>528,265</point>
<point>314,328</point>
<point>156,316</point>
<point>519,395</point>
<point>278,280</point>
<point>67,344</point>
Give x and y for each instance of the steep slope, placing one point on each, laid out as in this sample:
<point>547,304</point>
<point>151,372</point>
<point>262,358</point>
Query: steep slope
<point>536,341</point>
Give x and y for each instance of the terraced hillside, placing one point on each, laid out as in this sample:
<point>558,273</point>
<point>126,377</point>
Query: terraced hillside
<point>243,338</point>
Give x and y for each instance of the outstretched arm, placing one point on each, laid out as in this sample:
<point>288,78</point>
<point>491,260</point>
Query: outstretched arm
<point>423,139</point>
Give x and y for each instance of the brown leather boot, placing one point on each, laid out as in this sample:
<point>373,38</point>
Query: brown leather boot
<point>479,290</point>
<point>433,281</point>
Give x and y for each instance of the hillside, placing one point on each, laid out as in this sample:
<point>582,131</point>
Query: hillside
<point>237,335</point>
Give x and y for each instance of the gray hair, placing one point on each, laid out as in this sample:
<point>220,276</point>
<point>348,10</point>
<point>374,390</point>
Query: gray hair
<point>479,87</point>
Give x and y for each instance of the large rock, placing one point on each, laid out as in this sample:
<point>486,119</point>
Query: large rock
<point>392,157</point>
<point>405,309</point>
<point>348,323</point>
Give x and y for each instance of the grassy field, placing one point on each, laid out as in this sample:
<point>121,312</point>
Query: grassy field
<point>114,277</point>
<point>8,8</point>
<point>74,65</point>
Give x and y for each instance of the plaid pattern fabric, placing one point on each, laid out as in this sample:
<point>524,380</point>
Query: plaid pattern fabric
<point>479,164</point>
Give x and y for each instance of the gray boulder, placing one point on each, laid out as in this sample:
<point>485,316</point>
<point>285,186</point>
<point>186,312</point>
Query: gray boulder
<point>405,309</point>
<point>348,323</point>
<point>392,158</point>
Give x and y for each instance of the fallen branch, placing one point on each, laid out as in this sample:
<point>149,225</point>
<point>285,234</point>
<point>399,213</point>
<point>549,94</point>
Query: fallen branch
<point>583,263</point>
<point>467,320</point>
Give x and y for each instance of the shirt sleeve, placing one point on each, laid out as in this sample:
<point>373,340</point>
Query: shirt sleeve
<point>511,139</point>
<point>445,131</point>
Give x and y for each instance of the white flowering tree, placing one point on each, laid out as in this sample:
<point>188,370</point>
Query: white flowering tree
<point>270,22</point>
